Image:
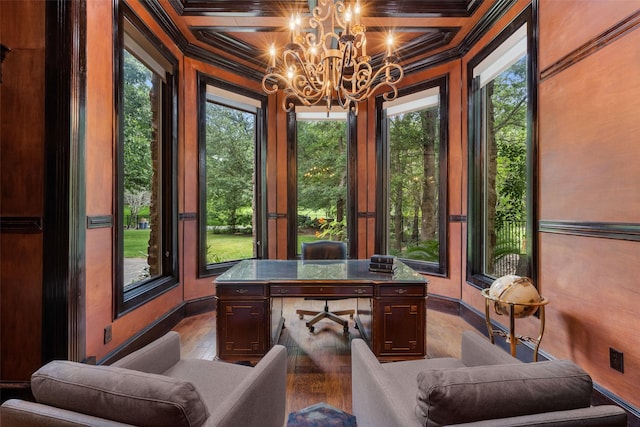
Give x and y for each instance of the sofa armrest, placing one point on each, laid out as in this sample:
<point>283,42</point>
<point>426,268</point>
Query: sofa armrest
<point>477,350</point>
<point>373,397</point>
<point>154,358</point>
<point>593,416</point>
<point>21,413</point>
<point>260,399</point>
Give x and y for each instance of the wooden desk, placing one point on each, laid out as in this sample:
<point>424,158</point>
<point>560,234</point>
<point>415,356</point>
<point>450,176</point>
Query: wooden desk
<point>390,308</point>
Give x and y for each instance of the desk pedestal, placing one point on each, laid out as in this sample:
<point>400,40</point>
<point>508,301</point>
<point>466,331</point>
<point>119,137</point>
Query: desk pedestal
<point>393,325</point>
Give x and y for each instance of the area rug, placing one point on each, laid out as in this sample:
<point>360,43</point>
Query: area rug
<point>321,415</point>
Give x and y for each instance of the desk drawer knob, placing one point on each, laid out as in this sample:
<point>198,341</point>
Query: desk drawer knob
<point>242,291</point>
<point>401,291</point>
<point>360,291</point>
<point>283,291</point>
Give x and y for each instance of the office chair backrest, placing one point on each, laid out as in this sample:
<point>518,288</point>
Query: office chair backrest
<point>324,249</point>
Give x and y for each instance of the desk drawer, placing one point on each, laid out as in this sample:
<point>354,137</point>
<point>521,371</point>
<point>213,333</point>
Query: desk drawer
<point>240,290</point>
<point>321,290</point>
<point>402,290</point>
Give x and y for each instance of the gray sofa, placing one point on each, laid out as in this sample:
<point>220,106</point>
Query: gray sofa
<point>485,387</point>
<point>155,387</point>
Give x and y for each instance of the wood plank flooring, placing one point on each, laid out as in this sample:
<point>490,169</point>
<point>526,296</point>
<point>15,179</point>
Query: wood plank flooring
<point>319,364</point>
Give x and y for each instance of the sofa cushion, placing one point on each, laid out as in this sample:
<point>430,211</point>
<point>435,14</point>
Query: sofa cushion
<point>119,394</point>
<point>451,396</point>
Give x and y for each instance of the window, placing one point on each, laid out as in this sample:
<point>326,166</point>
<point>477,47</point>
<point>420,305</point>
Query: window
<point>146,261</point>
<point>321,176</point>
<point>231,211</point>
<point>501,211</point>
<point>413,180</point>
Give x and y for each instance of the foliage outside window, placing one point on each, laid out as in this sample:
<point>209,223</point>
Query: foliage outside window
<point>501,211</point>
<point>230,180</point>
<point>414,178</point>
<point>145,237</point>
<point>230,169</point>
<point>321,179</point>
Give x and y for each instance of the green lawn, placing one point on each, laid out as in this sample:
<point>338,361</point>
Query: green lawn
<point>136,243</point>
<point>222,247</point>
<point>226,247</point>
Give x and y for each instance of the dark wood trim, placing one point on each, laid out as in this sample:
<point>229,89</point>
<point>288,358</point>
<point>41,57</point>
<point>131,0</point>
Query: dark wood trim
<point>443,304</point>
<point>440,36</point>
<point>161,17</point>
<point>160,327</point>
<point>16,390</point>
<point>23,225</point>
<point>605,230</point>
<point>292,185</point>
<point>135,296</point>
<point>275,215</point>
<point>226,43</point>
<point>475,193</point>
<point>603,39</point>
<point>457,218</point>
<point>444,8</point>
<point>441,267</point>
<point>380,241</point>
<point>488,20</point>
<point>63,318</point>
<point>187,216</point>
<point>200,305</point>
<point>420,46</point>
<point>99,221</point>
<point>235,8</point>
<point>205,80</point>
<point>352,184</point>
<point>366,214</point>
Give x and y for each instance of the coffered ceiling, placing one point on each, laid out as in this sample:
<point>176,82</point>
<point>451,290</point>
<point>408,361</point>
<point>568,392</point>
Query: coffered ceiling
<point>236,34</point>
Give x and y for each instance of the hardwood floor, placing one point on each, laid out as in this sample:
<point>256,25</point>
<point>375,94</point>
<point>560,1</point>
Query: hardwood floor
<point>319,364</point>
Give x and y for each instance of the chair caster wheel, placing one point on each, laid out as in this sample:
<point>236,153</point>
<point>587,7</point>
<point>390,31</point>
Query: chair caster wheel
<point>356,326</point>
<point>345,329</point>
<point>300,316</point>
<point>351,316</point>
<point>311,329</point>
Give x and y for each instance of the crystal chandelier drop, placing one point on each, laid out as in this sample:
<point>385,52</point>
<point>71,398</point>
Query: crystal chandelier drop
<point>327,62</point>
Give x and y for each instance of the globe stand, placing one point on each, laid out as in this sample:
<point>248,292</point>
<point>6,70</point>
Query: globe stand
<point>511,337</point>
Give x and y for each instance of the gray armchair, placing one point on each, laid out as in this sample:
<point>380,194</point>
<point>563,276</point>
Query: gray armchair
<point>155,387</point>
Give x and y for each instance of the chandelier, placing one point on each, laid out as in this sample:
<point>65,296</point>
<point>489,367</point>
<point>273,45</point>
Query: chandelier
<point>327,61</point>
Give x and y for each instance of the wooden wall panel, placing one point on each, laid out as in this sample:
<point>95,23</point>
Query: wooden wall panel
<point>590,150</point>
<point>22,182</point>
<point>589,172</point>
<point>99,288</point>
<point>592,287</point>
<point>20,305</point>
<point>99,111</point>
<point>570,24</point>
<point>22,118</point>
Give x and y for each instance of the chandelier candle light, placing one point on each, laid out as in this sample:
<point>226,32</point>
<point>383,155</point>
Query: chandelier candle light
<point>328,63</point>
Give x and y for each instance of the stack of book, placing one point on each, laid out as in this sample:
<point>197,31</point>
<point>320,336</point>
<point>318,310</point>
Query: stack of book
<point>383,264</point>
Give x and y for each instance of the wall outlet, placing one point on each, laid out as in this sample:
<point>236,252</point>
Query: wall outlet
<point>107,334</point>
<point>616,360</point>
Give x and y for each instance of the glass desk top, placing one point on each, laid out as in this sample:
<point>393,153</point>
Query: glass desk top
<point>293,271</point>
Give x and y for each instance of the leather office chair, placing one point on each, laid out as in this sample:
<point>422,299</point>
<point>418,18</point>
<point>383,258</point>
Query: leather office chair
<point>322,250</point>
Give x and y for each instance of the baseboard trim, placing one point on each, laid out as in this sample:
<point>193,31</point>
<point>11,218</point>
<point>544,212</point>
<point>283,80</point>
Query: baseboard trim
<point>15,390</point>
<point>160,327</point>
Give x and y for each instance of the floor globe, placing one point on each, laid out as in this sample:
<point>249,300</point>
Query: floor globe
<point>517,290</point>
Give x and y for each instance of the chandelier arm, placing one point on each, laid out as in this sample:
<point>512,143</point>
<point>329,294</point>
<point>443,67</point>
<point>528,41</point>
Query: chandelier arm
<point>330,61</point>
<point>340,89</point>
<point>301,65</point>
